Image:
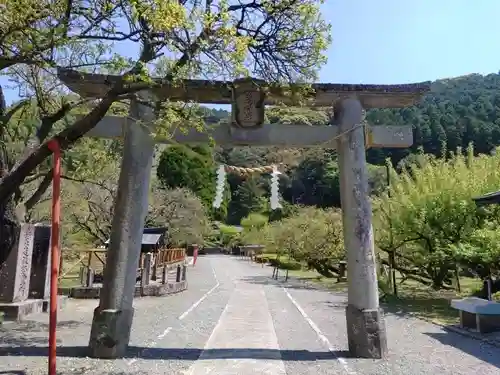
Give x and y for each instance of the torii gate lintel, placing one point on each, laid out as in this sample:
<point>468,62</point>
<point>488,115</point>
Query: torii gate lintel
<point>365,323</point>
<point>281,135</point>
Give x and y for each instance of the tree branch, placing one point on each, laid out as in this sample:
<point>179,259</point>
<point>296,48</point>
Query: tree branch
<point>102,185</point>
<point>66,137</point>
<point>39,192</point>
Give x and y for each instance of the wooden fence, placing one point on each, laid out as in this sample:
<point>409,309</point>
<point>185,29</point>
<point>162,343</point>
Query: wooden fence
<point>86,266</point>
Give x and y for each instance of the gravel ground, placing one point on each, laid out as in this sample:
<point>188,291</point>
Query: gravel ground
<point>415,346</point>
<point>169,333</point>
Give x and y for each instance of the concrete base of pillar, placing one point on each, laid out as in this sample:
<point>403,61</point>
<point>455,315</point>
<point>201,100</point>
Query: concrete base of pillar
<point>110,333</point>
<point>366,333</point>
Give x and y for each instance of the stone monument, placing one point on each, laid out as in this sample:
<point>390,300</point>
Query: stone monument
<point>39,286</point>
<point>15,277</point>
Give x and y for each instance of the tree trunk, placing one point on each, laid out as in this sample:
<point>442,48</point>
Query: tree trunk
<point>9,223</point>
<point>9,229</point>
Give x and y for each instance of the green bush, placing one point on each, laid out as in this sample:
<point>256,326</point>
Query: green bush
<point>430,218</point>
<point>311,237</point>
<point>496,296</point>
<point>229,235</point>
<point>286,264</point>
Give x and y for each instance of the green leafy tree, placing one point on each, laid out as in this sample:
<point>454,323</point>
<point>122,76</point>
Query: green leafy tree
<point>430,215</point>
<point>252,225</point>
<point>188,167</point>
<point>40,42</point>
<point>182,212</point>
<point>246,199</point>
<point>313,237</point>
<point>229,235</point>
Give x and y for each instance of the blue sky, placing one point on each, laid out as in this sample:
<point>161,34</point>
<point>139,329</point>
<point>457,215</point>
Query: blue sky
<point>402,41</point>
<point>391,41</point>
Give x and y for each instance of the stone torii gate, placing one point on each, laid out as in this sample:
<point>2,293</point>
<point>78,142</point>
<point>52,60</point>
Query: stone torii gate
<point>365,323</point>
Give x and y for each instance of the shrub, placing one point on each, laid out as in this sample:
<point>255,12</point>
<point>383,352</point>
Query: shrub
<point>312,236</point>
<point>229,235</point>
<point>431,220</point>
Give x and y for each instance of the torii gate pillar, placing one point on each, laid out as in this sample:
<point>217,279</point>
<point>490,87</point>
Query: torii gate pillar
<point>113,317</point>
<point>365,323</point>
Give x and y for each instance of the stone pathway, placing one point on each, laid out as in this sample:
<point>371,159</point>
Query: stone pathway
<point>242,353</point>
<point>234,320</point>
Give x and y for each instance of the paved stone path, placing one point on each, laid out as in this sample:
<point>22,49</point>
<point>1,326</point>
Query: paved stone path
<point>234,320</point>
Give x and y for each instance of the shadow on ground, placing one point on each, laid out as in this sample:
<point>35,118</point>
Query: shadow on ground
<point>421,306</point>
<point>25,333</point>
<point>186,354</point>
<point>36,326</point>
<point>476,348</point>
<point>291,283</point>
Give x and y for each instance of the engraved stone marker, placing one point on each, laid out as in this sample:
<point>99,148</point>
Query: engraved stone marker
<point>15,272</point>
<point>40,265</point>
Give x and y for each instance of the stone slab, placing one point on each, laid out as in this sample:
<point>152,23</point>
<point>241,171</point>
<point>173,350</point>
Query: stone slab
<point>15,272</point>
<point>244,328</point>
<point>150,290</point>
<point>40,263</point>
<point>171,288</point>
<point>480,323</point>
<point>476,305</point>
<point>17,311</point>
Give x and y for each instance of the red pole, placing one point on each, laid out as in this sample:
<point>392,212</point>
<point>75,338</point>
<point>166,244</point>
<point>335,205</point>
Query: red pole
<point>195,254</point>
<point>54,250</point>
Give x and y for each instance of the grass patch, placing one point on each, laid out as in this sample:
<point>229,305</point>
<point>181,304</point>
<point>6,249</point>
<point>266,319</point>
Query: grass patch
<point>414,299</point>
<point>424,302</point>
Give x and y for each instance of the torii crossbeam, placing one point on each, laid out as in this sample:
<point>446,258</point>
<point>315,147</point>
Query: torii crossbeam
<point>283,135</point>
<point>365,323</point>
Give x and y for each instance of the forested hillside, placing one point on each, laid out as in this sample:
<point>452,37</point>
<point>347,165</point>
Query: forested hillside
<point>456,112</point>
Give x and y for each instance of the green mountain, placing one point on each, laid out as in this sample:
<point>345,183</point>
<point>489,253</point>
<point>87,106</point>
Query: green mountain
<point>456,112</point>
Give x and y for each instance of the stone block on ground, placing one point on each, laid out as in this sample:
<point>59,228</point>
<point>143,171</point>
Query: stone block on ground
<point>84,292</point>
<point>17,311</point>
<point>61,302</point>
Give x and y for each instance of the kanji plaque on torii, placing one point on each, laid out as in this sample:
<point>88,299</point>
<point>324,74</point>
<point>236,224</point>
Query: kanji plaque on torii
<point>346,133</point>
